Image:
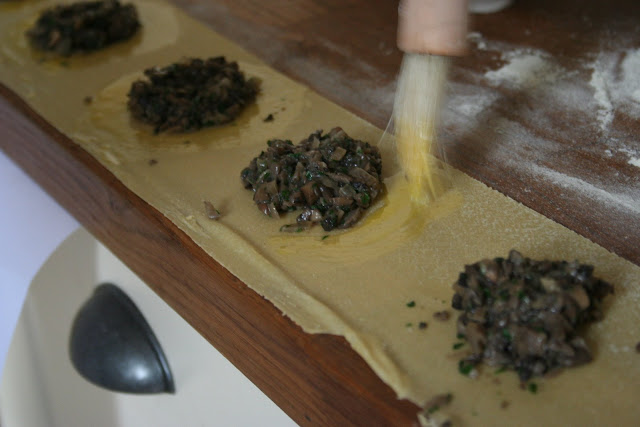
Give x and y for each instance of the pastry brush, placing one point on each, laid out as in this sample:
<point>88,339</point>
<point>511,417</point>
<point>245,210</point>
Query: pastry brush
<point>429,33</point>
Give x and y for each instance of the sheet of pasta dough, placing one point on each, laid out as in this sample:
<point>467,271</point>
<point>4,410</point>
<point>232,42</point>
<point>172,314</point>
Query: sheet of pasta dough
<point>355,283</point>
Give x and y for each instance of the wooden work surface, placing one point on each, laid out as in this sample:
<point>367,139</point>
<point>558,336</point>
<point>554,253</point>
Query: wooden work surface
<point>573,164</point>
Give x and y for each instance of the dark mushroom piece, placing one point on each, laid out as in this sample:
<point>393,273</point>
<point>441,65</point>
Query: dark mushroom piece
<point>331,177</point>
<point>525,315</point>
<point>211,211</point>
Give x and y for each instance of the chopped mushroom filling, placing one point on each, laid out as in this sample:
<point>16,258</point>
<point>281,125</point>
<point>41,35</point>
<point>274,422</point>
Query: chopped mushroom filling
<point>191,95</point>
<point>83,26</point>
<point>524,314</point>
<point>331,178</point>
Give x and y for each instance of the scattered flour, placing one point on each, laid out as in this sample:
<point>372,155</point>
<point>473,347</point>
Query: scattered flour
<point>612,88</point>
<point>633,154</point>
<point>525,69</point>
<point>508,152</point>
<point>629,85</point>
<point>616,83</point>
<point>476,38</point>
<point>601,96</point>
<point>472,105</point>
<point>629,151</point>
<point>615,80</point>
<point>622,201</point>
<point>469,101</point>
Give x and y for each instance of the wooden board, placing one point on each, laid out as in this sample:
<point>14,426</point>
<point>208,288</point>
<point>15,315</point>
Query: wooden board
<point>345,50</point>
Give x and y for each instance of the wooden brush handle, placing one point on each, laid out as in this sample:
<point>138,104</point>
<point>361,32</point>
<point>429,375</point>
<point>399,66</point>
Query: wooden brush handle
<point>437,27</point>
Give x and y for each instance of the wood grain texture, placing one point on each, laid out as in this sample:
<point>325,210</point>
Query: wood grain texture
<point>557,165</point>
<point>346,51</point>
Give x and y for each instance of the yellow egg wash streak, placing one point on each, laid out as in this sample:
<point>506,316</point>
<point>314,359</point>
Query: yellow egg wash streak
<point>416,114</point>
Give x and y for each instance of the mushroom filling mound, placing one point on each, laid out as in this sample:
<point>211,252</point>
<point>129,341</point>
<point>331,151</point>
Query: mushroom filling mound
<point>524,314</point>
<point>332,178</point>
<point>192,94</point>
<point>83,26</point>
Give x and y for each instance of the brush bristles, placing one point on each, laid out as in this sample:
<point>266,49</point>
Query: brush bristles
<point>416,112</point>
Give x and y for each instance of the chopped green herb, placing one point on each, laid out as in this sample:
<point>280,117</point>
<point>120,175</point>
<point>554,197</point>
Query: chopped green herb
<point>411,304</point>
<point>460,336</point>
<point>465,368</point>
<point>500,370</point>
<point>486,291</point>
<point>507,335</point>
<point>437,402</point>
<point>443,315</point>
<point>325,236</point>
<point>365,198</point>
<point>422,325</point>
<point>409,325</point>
<point>533,388</point>
<point>458,345</point>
